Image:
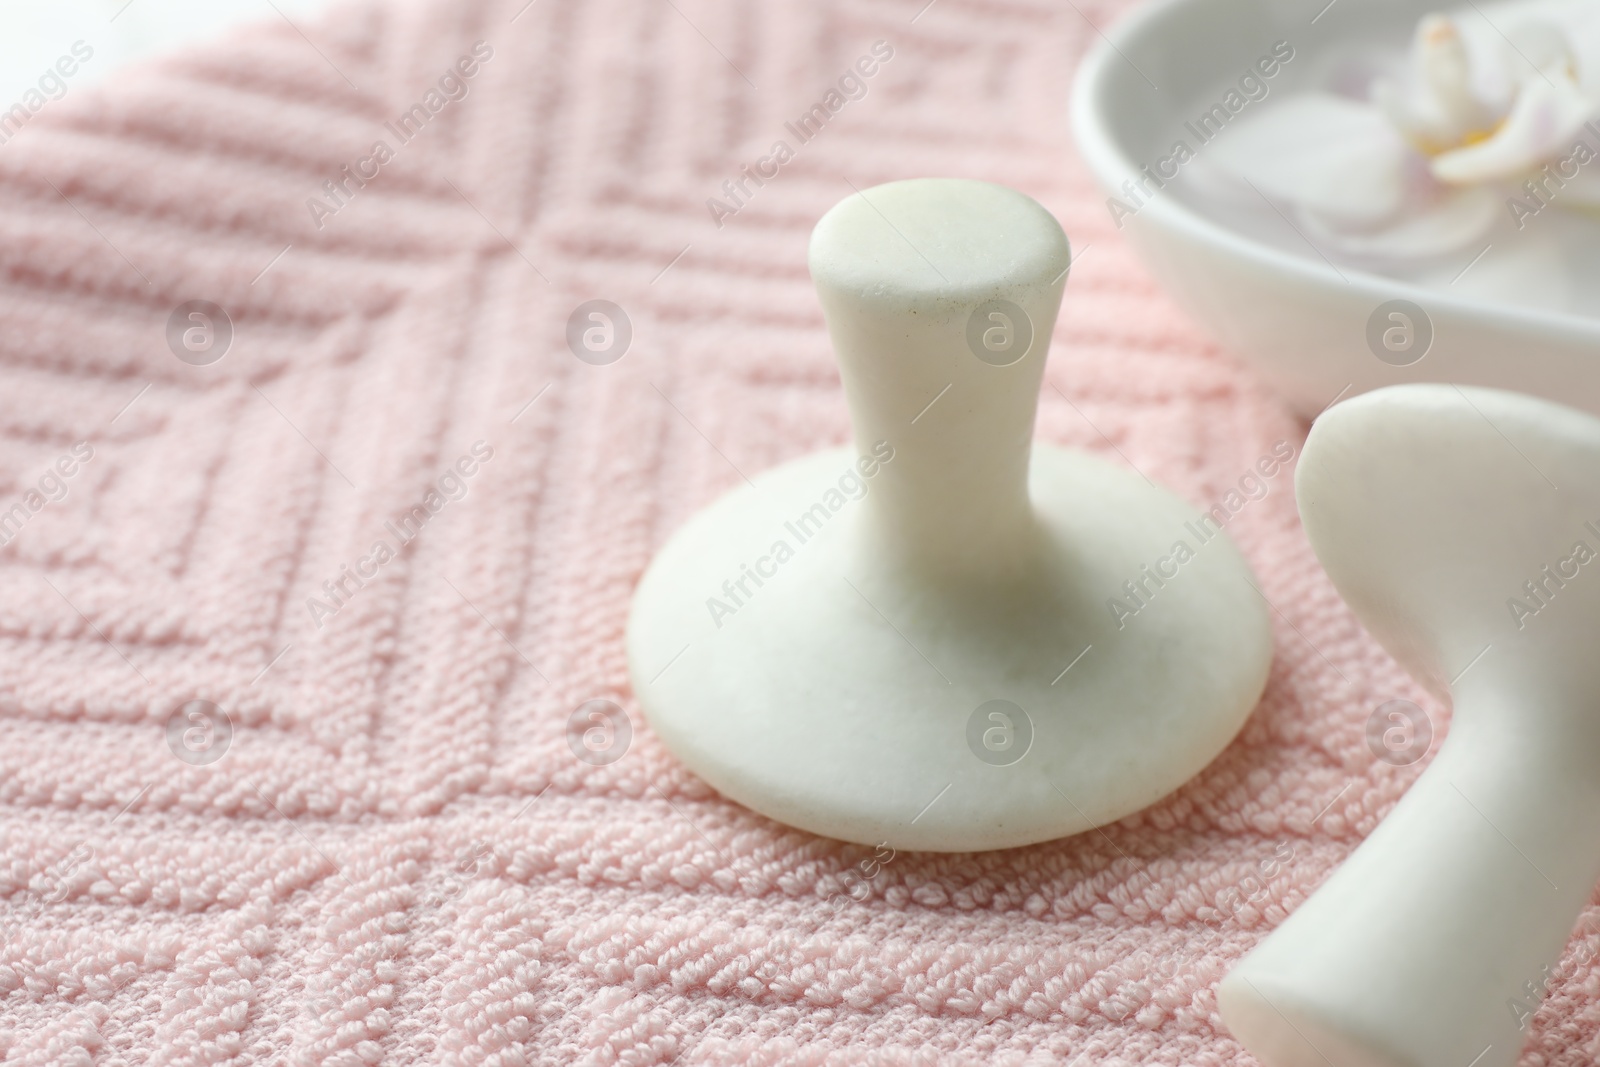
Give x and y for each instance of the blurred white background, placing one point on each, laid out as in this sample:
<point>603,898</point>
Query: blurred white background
<point>34,33</point>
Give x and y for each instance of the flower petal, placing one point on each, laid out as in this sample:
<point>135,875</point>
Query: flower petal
<point>1547,115</point>
<point>1433,228</point>
<point>1336,157</point>
<point>1535,47</point>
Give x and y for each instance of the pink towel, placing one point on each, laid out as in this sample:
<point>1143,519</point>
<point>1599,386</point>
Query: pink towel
<point>370,840</point>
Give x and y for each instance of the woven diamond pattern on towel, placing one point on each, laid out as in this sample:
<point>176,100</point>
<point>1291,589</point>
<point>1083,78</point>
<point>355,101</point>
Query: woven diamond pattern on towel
<point>398,858</point>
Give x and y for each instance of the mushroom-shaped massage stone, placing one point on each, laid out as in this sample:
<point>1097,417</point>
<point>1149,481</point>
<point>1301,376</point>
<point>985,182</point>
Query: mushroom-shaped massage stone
<point>1463,527</point>
<point>925,640</point>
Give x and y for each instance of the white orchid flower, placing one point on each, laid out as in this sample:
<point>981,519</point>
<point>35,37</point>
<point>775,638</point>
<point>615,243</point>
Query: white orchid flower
<point>1433,159</point>
<point>1438,107</point>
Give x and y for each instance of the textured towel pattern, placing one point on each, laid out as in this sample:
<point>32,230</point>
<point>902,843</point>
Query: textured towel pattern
<point>398,859</point>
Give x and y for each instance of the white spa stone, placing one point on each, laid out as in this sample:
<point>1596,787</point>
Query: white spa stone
<point>1462,527</point>
<point>926,656</point>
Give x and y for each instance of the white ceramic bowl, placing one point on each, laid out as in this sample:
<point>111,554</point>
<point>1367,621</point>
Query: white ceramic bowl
<point>1302,322</point>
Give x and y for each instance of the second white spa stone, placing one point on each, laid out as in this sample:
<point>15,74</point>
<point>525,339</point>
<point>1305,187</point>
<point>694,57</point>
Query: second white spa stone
<point>945,637</point>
